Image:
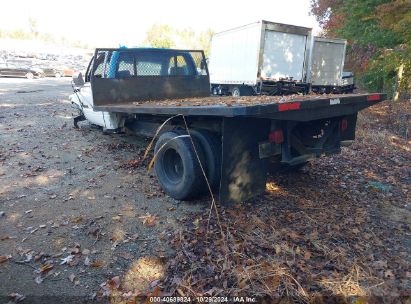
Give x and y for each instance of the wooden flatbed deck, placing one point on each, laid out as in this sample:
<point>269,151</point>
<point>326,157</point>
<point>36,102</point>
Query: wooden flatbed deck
<point>278,107</point>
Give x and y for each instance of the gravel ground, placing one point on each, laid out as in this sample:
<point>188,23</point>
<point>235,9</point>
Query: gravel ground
<point>79,219</point>
<point>63,190</point>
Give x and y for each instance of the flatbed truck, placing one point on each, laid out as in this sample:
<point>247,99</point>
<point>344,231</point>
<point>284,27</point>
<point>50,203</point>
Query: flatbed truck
<point>233,141</point>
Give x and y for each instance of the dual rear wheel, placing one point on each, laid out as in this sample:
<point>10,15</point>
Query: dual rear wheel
<point>177,163</point>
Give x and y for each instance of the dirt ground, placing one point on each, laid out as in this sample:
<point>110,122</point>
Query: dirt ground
<point>82,220</point>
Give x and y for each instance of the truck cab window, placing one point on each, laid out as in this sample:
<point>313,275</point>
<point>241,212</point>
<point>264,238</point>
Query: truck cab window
<point>146,68</point>
<point>178,66</point>
<point>125,66</point>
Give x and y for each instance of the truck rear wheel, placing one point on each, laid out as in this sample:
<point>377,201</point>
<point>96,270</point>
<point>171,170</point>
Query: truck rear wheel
<point>177,167</point>
<point>235,92</point>
<point>211,147</point>
<point>242,91</point>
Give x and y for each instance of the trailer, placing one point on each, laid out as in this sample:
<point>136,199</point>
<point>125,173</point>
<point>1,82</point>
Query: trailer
<point>327,66</point>
<point>260,58</point>
<point>229,143</point>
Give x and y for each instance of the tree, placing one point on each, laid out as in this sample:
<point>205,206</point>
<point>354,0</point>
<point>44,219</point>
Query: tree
<point>204,40</point>
<point>396,16</point>
<point>165,36</point>
<point>160,36</point>
<point>33,27</point>
<point>378,35</point>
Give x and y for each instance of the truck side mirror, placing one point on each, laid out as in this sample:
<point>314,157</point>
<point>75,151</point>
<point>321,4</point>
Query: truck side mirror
<point>78,80</point>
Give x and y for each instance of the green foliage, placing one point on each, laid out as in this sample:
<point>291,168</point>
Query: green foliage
<point>380,75</point>
<point>361,25</point>
<point>34,34</point>
<point>160,36</point>
<point>165,36</point>
<point>379,36</point>
<point>19,34</point>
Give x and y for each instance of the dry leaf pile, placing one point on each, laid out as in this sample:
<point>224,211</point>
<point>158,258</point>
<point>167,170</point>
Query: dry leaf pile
<point>231,101</point>
<point>334,230</point>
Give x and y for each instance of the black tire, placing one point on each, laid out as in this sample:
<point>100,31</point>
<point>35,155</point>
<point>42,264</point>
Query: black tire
<point>242,91</point>
<point>211,147</point>
<point>177,167</point>
<point>236,92</point>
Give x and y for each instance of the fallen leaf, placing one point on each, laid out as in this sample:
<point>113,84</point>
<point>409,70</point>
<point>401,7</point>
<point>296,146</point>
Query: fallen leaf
<point>3,238</point>
<point>4,258</point>
<point>114,283</point>
<point>277,249</point>
<point>355,230</point>
<point>77,219</point>
<point>97,263</point>
<point>46,268</point>
<point>307,255</point>
<point>38,257</point>
<point>116,218</point>
<point>16,297</point>
<point>126,255</point>
<point>72,277</point>
<point>148,220</point>
<point>75,250</point>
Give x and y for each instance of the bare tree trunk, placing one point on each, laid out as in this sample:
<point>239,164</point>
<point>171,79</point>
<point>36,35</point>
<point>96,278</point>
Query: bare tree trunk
<point>397,90</point>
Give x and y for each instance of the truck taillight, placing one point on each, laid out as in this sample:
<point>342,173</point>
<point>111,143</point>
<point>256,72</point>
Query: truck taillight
<point>344,124</point>
<point>276,137</point>
<point>289,106</point>
<point>374,97</point>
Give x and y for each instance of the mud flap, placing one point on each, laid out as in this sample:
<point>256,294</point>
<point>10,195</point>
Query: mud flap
<point>243,173</point>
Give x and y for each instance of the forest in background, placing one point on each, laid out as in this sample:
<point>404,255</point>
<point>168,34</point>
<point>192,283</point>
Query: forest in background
<point>158,35</point>
<point>378,34</point>
<point>379,40</point>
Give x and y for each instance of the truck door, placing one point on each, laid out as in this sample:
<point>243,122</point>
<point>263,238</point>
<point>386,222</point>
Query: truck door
<point>99,71</point>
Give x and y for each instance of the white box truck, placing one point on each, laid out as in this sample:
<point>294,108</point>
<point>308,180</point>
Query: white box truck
<point>260,58</point>
<point>327,66</point>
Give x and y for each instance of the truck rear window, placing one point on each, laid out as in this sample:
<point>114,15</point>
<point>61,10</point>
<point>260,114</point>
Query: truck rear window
<point>125,63</point>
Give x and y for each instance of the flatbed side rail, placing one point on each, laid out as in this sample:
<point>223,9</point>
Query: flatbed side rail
<point>300,109</point>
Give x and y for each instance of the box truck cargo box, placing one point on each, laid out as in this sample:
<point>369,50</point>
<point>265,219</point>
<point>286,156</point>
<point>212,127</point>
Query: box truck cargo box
<point>327,61</point>
<point>262,57</point>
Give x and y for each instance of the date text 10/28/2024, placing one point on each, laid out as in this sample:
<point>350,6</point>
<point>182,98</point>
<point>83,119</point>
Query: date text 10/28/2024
<point>203,299</point>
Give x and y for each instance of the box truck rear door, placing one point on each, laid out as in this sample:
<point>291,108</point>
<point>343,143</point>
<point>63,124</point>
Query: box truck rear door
<point>284,55</point>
